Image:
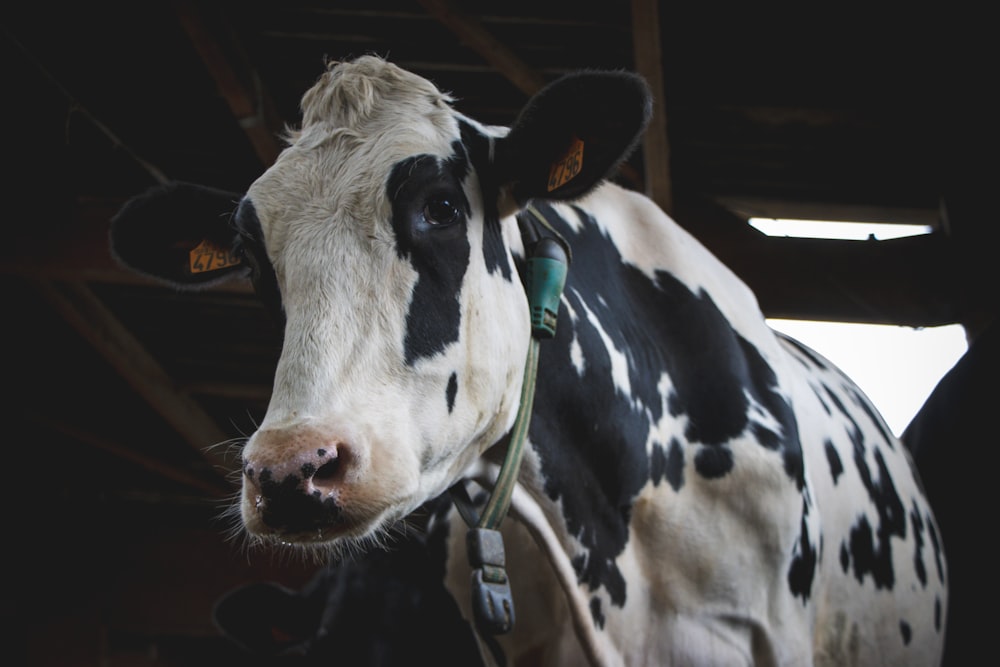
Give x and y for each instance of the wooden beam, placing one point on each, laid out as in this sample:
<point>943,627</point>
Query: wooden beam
<point>649,63</point>
<point>213,488</point>
<point>915,281</point>
<point>476,37</point>
<point>91,319</point>
<point>907,282</point>
<point>244,391</point>
<point>237,81</point>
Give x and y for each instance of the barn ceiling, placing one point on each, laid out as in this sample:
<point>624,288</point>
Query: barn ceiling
<point>120,387</point>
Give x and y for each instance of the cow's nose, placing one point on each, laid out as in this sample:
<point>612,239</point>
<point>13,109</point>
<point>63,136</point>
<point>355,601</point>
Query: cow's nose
<point>293,478</point>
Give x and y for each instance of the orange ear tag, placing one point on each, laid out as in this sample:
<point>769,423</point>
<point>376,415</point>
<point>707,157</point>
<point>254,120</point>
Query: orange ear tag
<point>567,167</point>
<point>206,256</point>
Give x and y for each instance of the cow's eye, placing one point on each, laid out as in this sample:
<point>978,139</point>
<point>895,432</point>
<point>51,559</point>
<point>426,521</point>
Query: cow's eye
<point>440,211</point>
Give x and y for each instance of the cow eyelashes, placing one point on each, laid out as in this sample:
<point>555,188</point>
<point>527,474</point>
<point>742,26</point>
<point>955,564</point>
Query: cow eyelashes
<point>440,212</point>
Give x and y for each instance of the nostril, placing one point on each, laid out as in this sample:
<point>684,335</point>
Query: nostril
<point>328,471</point>
<point>324,478</point>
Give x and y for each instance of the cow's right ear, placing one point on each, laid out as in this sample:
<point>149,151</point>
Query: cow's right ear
<point>179,233</point>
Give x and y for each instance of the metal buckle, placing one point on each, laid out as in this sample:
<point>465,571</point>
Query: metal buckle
<point>492,601</point>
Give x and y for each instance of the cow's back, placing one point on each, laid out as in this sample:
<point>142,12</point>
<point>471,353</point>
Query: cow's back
<point>880,595</point>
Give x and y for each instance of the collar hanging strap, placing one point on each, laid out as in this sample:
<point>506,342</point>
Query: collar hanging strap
<point>492,602</point>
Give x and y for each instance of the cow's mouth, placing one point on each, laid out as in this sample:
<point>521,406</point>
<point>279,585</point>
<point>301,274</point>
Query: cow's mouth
<point>298,512</point>
<point>291,509</point>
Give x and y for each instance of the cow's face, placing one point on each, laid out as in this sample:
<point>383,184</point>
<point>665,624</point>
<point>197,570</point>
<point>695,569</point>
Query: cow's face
<point>384,234</point>
<point>406,327</point>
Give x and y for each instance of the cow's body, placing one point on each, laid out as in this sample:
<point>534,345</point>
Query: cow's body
<point>696,489</point>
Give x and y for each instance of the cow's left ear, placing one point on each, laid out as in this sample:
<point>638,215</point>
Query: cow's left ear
<point>573,134</point>
<point>180,234</point>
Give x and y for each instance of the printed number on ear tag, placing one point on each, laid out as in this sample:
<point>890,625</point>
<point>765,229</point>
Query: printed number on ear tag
<point>206,256</point>
<point>566,168</point>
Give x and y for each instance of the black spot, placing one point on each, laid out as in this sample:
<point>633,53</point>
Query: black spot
<point>803,568</point>
<point>917,523</point>
<point>905,632</point>
<point>675,465</point>
<point>765,436</point>
<point>657,464</point>
<point>594,569</point>
<point>804,351</point>
<point>451,391</point>
<point>838,403</point>
<point>596,612</point>
<point>819,395</point>
<point>871,550</point>
<point>713,461</point>
<point>669,465</point>
<point>876,421</point>
<point>438,253</point>
<point>859,400</point>
<point>937,613</point>
<point>478,147</point>
<point>862,548</point>
<point>938,551</point>
<point>833,458</point>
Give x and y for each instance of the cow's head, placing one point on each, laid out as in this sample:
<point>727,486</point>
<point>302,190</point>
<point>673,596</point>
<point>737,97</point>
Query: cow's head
<point>384,236</point>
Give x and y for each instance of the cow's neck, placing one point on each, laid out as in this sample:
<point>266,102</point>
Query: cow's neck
<point>641,366</point>
<point>544,274</point>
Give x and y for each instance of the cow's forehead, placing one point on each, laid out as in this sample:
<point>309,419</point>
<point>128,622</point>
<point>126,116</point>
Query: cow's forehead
<point>360,120</point>
<point>352,95</point>
<point>373,114</point>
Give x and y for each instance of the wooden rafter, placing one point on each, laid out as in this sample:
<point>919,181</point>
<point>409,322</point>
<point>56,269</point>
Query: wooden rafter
<point>88,315</point>
<point>471,32</point>
<point>236,80</point>
<point>215,489</point>
<point>649,63</point>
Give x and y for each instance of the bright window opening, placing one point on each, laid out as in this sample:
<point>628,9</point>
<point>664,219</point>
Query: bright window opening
<point>827,229</point>
<point>896,367</point>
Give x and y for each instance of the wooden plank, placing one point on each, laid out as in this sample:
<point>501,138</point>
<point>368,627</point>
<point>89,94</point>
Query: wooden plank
<point>236,80</point>
<point>908,282</point>
<point>915,281</point>
<point>649,63</point>
<point>91,318</point>
<point>479,39</point>
<point>214,488</point>
<point>255,393</point>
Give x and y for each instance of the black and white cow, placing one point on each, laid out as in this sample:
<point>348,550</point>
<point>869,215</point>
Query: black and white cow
<point>695,490</point>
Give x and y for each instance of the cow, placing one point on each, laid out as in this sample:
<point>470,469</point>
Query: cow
<point>644,471</point>
<point>946,438</point>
